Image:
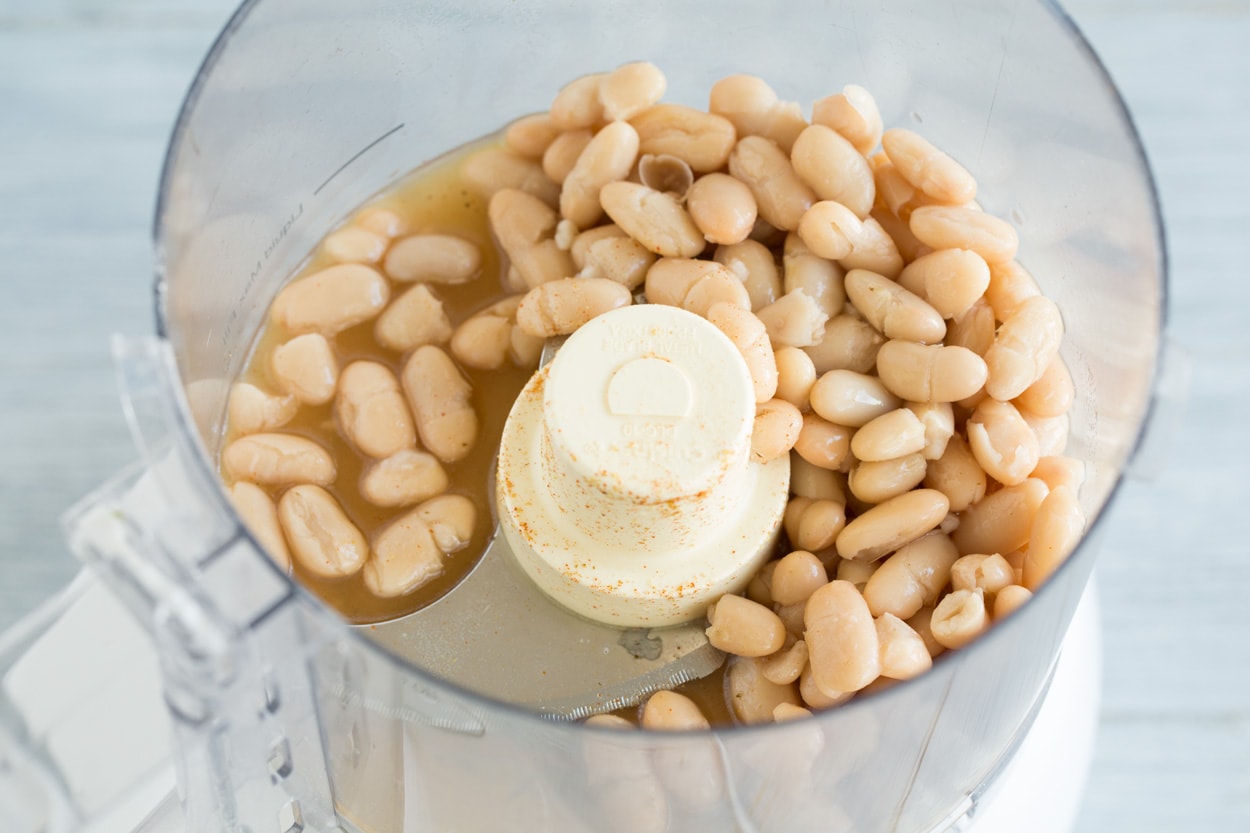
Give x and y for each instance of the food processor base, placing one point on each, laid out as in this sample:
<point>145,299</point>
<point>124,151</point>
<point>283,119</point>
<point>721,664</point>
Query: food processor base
<point>1039,791</point>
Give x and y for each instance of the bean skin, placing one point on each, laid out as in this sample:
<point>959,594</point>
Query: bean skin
<point>841,639</point>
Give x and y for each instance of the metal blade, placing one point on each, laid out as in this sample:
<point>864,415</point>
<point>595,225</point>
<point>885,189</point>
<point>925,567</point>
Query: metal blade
<point>496,633</point>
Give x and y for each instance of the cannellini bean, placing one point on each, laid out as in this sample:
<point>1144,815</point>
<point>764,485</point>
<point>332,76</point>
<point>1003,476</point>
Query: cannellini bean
<point>1052,394</point>
<point>785,666</point>
<point>1026,344</point>
<point>278,460</point>
<point>402,479</point>
<point>854,114</point>
<point>1056,531</point>
<point>562,154</point>
<point>748,335</point>
<point>831,166</point>
<point>856,572</point>
<point>560,307</point>
<point>441,402</point>
<point>881,480</point>
<point>1057,470</point>
<point>959,618</point>
<point>252,410</point>
<point>323,540</point>
<point>1002,442</point>
<point>620,259</point>
<point>371,411</point>
<point>352,244</point>
<point>775,430</point>
<point>903,652</point>
<point>485,340</point>
<point>955,227</point>
<point>849,344</point>
<point>754,109</point>
<point>841,637</point>
<point>1009,600</point>
<point>929,169</point>
<point>893,310</point>
<point>493,169</point>
<point>1051,432</point>
<point>820,278</point>
<point>433,258</point>
<point>815,482</point>
<point>957,474</point>
<point>790,525</point>
<point>892,524</point>
<point>929,372</point>
<point>450,519</point>
<point>794,320</point>
<point>912,577</point>
<point>524,227</point>
<point>694,285</point>
<point>530,135</point>
<point>702,140</point>
<point>759,589</point>
<point>951,280</point>
<point>663,172</point>
<point>404,557</point>
<point>797,575</point>
<point>414,318</point>
<point>851,399</point>
<point>670,711</point>
<point>795,376</point>
<point>586,240</point>
<point>814,697</point>
<point>819,524</point>
<point>1000,522</point>
<point>889,435</point>
<point>938,420</point>
<point>823,443</point>
<point>792,617</point>
<point>829,229</point>
<point>722,208</point>
<point>908,247</point>
<point>305,367</point>
<point>331,300</point>
<point>988,573</point>
<point>380,220</point>
<point>974,329</point>
<point>608,157</point>
<point>894,193</point>
<point>874,250</point>
<point>578,104</point>
<point>1016,560</point>
<point>752,696</point>
<point>629,89</point>
<point>1010,286</point>
<point>920,624</point>
<point>781,197</point>
<point>653,218</point>
<point>260,515</point>
<point>754,265</point>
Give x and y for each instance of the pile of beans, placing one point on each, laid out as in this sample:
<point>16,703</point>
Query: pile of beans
<point>900,356</point>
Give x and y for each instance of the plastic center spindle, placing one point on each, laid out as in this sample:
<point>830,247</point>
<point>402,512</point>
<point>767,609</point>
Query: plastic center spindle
<point>625,484</point>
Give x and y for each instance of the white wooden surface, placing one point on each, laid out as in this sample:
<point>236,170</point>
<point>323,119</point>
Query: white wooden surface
<point>89,89</point>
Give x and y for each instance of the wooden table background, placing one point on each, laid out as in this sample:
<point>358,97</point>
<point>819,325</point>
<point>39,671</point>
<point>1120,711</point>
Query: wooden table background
<point>89,90</point>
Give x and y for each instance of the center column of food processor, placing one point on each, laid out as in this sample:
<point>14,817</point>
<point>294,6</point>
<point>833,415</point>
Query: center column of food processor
<point>625,484</point>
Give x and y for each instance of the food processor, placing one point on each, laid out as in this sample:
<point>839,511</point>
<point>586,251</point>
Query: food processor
<point>184,683</point>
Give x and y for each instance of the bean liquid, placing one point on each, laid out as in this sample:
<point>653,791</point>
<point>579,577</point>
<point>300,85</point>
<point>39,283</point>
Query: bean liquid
<point>432,199</point>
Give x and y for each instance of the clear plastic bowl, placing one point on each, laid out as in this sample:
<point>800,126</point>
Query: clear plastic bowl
<point>305,108</point>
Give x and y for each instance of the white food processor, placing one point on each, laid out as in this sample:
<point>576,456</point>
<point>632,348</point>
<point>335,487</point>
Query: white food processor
<point>184,683</point>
